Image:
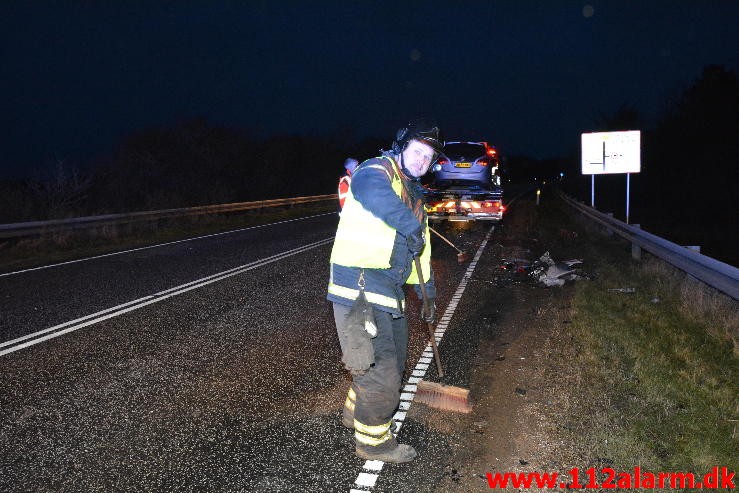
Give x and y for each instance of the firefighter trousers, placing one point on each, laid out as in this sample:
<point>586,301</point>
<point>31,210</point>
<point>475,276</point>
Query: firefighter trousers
<point>377,392</point>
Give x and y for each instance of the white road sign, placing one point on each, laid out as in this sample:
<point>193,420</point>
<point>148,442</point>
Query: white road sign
<point>611,152</point>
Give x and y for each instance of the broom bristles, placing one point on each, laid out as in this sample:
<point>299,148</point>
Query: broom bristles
<point>444,397</point>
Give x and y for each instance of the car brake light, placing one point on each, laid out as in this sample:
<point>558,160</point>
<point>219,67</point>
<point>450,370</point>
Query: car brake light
<point>492,152</point>
<point>493,204</point>
<point>442,161</point>
<point>482,162</point>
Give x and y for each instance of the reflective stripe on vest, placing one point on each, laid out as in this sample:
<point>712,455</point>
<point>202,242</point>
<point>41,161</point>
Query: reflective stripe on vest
<point>374,298</point>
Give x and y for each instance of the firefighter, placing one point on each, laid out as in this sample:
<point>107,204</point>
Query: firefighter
<point>349,165</point>
<point>383,226</point>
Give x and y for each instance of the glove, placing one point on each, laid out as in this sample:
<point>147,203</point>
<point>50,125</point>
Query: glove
<point>359,354</point>
<point>416,241</point>
<point>429,317</point>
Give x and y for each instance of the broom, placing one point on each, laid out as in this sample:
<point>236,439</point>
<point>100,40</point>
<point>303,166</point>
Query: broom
<point>438,395</point>
<point>462,256</point>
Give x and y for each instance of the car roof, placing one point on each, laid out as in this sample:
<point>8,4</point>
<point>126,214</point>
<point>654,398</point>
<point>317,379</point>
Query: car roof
<point>466,142</point>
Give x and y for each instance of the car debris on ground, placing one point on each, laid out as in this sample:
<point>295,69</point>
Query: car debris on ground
<point>550,273</point>
<point>545,271</point>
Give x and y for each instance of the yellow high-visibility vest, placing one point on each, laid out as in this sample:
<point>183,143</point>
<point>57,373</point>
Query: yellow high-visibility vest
<point>365,241</point>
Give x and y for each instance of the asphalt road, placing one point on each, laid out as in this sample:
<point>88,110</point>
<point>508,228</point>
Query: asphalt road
<point>234,385</point>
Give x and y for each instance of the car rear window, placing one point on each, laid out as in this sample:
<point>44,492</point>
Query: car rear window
<point>463,151</point>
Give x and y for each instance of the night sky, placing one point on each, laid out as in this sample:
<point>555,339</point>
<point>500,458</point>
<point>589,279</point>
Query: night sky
<point>528,76</point>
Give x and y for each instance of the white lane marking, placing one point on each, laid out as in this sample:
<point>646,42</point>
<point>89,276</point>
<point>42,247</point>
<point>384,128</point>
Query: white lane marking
<point>409,390</point>
<point>72,325</point>
<point>162,244</point>
<point>373,465</point>
<point>366,479</point>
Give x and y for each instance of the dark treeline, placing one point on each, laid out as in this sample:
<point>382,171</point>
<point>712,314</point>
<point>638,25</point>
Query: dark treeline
<point>190,163</point>
<point>687,190</point>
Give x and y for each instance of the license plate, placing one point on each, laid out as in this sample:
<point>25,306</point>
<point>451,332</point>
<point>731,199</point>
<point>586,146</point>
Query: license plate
<point>463,165</point>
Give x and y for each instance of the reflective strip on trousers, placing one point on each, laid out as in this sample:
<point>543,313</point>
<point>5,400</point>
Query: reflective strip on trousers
<point>351,399</point>
<point>372,435</point>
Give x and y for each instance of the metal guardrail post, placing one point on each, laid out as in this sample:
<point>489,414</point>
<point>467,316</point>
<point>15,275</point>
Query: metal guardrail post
<point>636,249</point>
<point>609,231</point>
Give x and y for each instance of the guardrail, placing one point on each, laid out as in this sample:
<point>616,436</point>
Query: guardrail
<point>17,230</point>
<point>715,273</point>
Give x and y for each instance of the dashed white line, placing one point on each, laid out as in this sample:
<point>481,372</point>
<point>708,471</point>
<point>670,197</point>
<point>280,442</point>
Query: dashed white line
<point>366,480</point>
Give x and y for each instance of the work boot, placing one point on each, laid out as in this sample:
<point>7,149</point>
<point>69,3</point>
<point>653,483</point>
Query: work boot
<point>398,454</point>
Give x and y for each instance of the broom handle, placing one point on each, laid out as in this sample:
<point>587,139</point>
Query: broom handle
<point>425,312</point>
<point>443,238</point>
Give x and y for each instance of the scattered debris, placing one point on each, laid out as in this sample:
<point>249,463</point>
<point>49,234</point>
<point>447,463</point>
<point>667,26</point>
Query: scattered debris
<point>520,265</point>
<point>623,290</point>
<point>551,273</point>
<point>655,300</point>
<point>567,234</point>
<point>523,462</point>
<point>520,391</point>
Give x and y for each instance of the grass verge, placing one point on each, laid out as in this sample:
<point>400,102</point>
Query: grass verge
<point>656,369</point>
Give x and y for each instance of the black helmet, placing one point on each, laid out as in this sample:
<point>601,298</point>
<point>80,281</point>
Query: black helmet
<point>420,131</point>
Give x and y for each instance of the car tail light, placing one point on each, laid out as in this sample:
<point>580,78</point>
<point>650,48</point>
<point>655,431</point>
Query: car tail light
<point>492,152</point>
<point>442,160</point>
<point>495,203</point>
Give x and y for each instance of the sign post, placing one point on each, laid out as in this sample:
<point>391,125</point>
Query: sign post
<point>627,197</point>
<point>610,153</point>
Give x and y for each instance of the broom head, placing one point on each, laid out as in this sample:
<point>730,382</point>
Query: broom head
<point>463,257</point>
<point>444,397</point>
